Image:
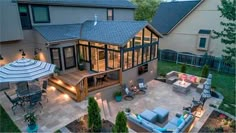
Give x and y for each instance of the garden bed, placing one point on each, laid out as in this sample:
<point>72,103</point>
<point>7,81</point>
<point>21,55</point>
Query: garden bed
<point>80,125</point>
<point>218,122</point>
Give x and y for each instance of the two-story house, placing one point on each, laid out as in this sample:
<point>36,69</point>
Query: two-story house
<point>102,33</point>
<point>187,26</point>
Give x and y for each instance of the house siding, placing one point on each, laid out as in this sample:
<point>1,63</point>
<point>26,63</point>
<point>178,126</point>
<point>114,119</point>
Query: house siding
<point>10,26</point>
<point>184,37</point>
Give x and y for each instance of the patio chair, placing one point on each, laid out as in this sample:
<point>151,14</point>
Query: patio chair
<point>36,99</point>
<point>129,94</point>
<point>15,102</point>
<point>141,85</point>
<point>22,86</point>
<point>44,89</point>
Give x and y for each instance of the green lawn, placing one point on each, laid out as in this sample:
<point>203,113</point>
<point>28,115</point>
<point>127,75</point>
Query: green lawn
<point>6,124</point>
<point>224,83</point>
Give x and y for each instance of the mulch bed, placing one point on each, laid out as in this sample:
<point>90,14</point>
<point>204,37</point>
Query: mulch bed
<point>218,122</point>
<point>81,125</point>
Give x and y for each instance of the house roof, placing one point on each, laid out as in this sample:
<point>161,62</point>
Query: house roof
<point>109,32</point>
<point>169,14</point>
<point>59,32</point>
<point>203,31</point>
<point>84,3</point>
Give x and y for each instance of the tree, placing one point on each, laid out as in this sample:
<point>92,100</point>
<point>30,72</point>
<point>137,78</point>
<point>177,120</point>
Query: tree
<point>121,123</point>
<point>183,68</point>
<point>94,118</point>
<point>146,9</point>
<point>205,71</point>
<point>228,34</point>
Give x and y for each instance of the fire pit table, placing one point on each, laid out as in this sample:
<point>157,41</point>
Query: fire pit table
<point>181,86</point>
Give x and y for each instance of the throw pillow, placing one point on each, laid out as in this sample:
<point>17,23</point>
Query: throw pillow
<point>198,80</point>
<point>140,119</point>
<point>126,90</point>
<point>180,75</point>
<point>141,85</point>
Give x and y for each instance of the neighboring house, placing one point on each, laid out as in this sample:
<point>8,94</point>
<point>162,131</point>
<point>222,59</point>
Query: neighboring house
<point>102,33</point>
<point>187,26</point>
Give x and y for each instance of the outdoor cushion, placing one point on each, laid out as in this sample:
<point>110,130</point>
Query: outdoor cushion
<point>180,120</point>
<point>179,75</point>
<point>149,115</point>
<point>170,127</point>
<point>188,118</point>
<point>198,80</point>
<point>126,90</point>
<point>141,85</point>
<point>159,129</point>
<point>147,125</point>
<point>174,120</point>
<point>181,125</point>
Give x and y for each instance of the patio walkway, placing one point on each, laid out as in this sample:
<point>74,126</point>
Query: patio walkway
<point>61,110</point>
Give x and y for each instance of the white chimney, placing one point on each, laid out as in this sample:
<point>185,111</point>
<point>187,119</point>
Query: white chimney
<point>95,19</point>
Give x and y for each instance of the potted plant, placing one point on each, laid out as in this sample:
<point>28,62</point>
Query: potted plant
<point>81,63</point>
<point>31,119</point>
<point>56,72</point>
<point>118,96</point>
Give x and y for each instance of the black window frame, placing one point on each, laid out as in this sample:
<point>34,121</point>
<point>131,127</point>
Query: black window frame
<point>59,54</point>
<point>205,42</point>
<point>112,14</point>
<point>74,60</point>
<point>33,14</point>
<point>28,14</point>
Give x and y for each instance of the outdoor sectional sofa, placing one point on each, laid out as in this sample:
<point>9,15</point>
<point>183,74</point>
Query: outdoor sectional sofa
<point>175,125</point>
<point>196,82</point>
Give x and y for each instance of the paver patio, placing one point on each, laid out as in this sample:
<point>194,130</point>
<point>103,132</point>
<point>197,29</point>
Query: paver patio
<point>61,110</point>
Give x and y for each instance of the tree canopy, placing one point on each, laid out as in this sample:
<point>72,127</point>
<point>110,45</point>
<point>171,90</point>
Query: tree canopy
<point>146,9</point>
<point>228,34</point>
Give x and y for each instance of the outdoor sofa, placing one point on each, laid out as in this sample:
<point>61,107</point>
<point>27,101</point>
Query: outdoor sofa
<point>196,82</point>
<point>175,125</point>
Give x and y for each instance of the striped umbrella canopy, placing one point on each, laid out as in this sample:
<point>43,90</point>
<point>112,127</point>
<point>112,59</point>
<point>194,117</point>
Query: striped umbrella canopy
<point>25,70</point>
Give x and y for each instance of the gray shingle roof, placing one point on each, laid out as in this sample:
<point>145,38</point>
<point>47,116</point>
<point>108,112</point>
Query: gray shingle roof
<point>203,31</point>
<point>170,13</point>
<point>84,3</point>
<point>59,32</point>
<point>111,32</point>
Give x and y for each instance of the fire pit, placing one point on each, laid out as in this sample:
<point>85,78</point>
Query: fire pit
<point>181,86</point>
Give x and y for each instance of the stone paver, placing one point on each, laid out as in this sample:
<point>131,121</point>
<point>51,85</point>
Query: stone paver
<point>61,110</point>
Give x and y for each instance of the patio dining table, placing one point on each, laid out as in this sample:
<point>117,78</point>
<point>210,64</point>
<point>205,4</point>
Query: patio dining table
<point>31,91</point>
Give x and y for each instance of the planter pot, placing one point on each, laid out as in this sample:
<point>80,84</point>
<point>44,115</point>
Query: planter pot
<point>118,98</point>
<point>31,126</point>
<point>81,66</point>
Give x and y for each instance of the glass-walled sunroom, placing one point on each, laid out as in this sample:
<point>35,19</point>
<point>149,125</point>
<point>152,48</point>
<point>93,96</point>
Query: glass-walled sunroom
<point>139,50</point>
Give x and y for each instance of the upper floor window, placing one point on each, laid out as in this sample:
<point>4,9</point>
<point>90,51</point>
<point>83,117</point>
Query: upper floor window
<point>24,16</point>
<point>40,14</point>
<point>110,14</point>
<point>203,39</point>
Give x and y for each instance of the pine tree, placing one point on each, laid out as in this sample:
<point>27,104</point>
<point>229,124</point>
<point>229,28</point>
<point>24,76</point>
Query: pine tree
<point>121,123</point>
<point>94,117</point>
<point>228,35</point>
<point>205,71</point>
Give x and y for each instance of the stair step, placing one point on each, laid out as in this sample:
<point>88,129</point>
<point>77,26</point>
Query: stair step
<point>112,108</point>
<point>106,109</point>
<point>99,101</point>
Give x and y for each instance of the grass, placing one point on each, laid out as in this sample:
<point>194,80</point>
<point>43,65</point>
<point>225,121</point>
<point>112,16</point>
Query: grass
<point>7,125</point>
<point>224,83</point>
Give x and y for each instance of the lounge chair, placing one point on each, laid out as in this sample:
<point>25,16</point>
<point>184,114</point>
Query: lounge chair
<point>129,94</point>
<point>141,85</point>
<point>15,102</point>
<point>44,89</point>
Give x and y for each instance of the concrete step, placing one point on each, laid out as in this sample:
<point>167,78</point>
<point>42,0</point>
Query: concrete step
<point>106,109</point>
<point>100,104</point>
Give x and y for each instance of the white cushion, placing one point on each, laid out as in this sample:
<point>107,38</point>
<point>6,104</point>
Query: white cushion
<point>127,90</point>
<point>141,85</point>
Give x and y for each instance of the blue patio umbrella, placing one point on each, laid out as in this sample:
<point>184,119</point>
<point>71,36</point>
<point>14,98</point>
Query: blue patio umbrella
<point>25,70</point>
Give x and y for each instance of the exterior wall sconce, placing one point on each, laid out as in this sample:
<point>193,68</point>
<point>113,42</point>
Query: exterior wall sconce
<point>37,50</point>
<point>1,57</point>
<point>23,53</point>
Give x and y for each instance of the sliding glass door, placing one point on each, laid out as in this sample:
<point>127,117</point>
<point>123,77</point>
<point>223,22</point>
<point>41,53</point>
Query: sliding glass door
<point>98,59</point>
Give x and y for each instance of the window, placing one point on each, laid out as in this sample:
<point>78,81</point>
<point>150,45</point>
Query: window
<point>203,42</point>
<point>84,53</point>
<point>138,38</point>
<point>69,57</point>
<point>146,54</point>
<point>147,36</point>
<point>113,59</point>
<point>110,14</point>
<point>24,16</point>
<point>128,60</point>
<point>137,56</point>
<point>56,57</point>
<point>40,14</point>
<point>154,38</point>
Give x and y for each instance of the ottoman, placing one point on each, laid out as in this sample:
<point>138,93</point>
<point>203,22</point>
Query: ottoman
<point>162,114</point>
<point>149,115</point>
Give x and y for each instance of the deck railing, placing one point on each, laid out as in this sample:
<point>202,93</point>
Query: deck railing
<point>89,83</point>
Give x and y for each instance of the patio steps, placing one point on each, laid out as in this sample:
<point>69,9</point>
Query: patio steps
<point>105,109</point>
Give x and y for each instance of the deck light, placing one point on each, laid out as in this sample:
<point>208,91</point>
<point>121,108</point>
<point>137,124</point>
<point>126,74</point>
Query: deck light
<point>37,50</point>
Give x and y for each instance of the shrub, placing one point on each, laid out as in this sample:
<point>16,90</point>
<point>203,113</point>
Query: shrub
<point>183,68</point>
<point>121,123</point>
<point>94,118</point>
<point>232,124</point>
<point>205,71</point>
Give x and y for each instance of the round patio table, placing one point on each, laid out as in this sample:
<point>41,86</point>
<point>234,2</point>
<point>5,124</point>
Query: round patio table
<point>31,91</point>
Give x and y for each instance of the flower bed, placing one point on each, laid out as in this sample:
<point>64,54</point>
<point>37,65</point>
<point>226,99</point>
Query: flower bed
<point>218,122</point>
